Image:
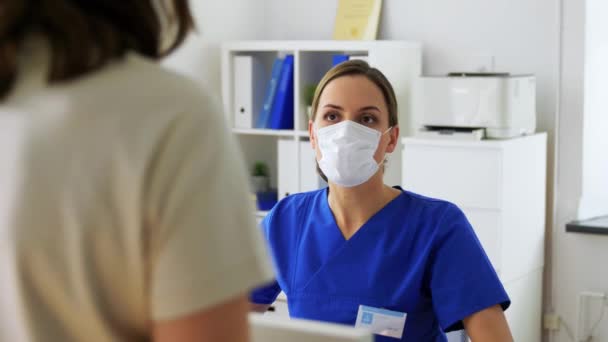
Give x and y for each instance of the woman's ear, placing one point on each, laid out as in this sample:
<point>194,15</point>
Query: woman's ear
<point>394,139</point>
<point>311,134</point>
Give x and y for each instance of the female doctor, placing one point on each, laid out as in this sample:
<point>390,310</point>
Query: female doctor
<point>361,242</point>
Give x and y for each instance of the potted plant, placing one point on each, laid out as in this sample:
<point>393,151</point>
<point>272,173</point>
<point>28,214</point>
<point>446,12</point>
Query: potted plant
<point>309,94</point>
<point>260,181</point>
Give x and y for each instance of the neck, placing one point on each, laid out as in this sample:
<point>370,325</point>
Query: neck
<point>352,207</point>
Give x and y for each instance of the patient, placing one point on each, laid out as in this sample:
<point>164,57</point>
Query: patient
<point>123,212</point>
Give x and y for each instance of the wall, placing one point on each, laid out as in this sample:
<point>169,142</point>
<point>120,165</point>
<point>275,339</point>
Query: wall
<point>581,167</point>
<point>217,21</point>
<point>594,198</point>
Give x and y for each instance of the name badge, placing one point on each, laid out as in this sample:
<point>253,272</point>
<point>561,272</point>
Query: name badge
<point>380,321</point>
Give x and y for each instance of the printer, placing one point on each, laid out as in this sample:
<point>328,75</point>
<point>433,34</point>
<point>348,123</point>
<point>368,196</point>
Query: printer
<point>497,105</point>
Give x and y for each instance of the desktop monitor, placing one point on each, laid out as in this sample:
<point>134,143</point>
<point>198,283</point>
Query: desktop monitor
<point>283,329</point>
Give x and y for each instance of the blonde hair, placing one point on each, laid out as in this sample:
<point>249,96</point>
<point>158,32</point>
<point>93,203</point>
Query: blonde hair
<point>354,68</point>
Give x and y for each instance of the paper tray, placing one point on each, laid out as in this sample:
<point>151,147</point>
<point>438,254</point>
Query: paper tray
<point>451,133</point>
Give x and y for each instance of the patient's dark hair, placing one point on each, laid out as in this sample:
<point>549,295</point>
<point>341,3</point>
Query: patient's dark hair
<point>84,35</point>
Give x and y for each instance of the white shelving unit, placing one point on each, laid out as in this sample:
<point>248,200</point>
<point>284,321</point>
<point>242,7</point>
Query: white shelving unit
<point>400,62</point>
<point>500,186</point>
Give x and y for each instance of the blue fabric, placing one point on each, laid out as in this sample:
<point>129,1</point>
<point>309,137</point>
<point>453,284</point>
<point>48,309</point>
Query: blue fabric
<point>416,255</point>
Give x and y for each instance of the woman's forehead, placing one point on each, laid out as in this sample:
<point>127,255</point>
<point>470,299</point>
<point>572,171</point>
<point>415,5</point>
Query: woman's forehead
<point>352,91</point>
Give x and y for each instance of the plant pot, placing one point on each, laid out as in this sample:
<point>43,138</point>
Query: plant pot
<point>260,183</point>
<point>266,200</point>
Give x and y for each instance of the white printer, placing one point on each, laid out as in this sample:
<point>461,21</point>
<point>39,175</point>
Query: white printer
<point>500,104</point>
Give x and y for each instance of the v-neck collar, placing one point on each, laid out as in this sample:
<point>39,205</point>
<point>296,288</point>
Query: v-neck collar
<point>376,216</point>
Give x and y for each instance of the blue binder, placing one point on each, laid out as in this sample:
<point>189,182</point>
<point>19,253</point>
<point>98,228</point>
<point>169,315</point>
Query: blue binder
<point>264,118</point>
<point>281,116</point>
<point>337,59</point>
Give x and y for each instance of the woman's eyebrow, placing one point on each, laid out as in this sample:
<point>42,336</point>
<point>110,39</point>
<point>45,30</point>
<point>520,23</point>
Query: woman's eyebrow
<point>369,108</point>
<point>333,106</point>
<point>329,105</point>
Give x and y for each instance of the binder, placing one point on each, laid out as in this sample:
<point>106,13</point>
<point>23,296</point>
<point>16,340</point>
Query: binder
<point>248,81</point>
<point>264,116</point>
<point>309,178</point>
<point>338,58</point>
<point>287,181</point>
<point>281,116</point>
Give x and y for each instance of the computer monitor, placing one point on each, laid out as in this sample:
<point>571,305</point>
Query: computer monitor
<point>283,329</point>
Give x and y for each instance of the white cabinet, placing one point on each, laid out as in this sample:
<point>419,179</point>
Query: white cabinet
<point>500,186</point>
<point>287,152</point>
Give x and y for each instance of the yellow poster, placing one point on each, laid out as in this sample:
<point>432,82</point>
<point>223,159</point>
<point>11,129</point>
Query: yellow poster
<point>357,19</point>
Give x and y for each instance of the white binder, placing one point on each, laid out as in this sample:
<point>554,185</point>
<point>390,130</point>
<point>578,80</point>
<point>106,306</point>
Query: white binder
<point>288,182</point>
<point>309,178</point>
<point>248,84</point>
<point>287,159</point>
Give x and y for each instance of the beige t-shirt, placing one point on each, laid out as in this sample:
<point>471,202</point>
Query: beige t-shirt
<point>123,200</point>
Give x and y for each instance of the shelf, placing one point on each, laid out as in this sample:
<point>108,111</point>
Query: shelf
<point>302,134</point>
<point>311,45</point>
<point>598,225</point>
<point>270,132</point>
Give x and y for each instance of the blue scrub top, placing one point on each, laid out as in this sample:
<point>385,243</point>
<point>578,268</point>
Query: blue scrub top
<point>416,255</point>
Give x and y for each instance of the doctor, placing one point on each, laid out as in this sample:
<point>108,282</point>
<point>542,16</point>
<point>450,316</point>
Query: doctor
<point>361,242</point>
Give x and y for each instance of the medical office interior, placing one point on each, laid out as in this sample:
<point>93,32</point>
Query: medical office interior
<point>562,43</point>
<point>502,110</point>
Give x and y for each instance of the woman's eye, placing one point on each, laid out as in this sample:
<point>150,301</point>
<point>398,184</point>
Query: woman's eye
<point>331,117</point>
<point>368,119</point>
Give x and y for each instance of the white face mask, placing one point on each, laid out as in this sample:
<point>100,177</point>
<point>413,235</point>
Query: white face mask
<point>347,152</point>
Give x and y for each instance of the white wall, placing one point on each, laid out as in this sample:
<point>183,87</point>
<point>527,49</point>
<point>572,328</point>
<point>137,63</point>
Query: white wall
<point>217,21</point>
<point>594,197</point>
<point>581,169</point>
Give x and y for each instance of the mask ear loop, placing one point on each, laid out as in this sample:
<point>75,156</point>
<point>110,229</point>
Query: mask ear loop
<point>385,161</point>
